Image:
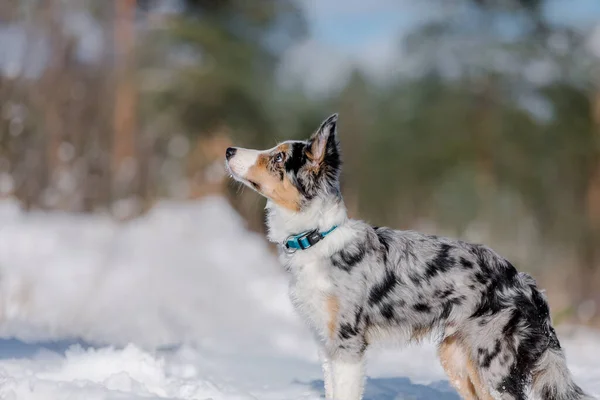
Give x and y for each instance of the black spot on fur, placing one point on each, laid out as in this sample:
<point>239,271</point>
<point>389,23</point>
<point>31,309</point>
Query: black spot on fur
<point>346,259</point>
<point>441,263</point>
<point>489,304</point>
<point>446,310</point>
<point>466,264</point>
<point>513,323</point>
<point>443,294</point>
<point>488,356</point>
<point>347,331</point>
<point>387,311</point>
<point>480,277</point>
<point>384,240</point>
<point>449,305</point>
<point>422,307</point>
<point>497,275</point>
<point>380,291</point>
<point>294,162</point>
<point>297,158</point>
<point>357,316</point>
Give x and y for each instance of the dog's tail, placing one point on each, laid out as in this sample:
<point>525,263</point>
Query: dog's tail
<point>552,379</point>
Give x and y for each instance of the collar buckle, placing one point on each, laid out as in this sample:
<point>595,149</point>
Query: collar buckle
<point>304,240</point>
<point>286,248</point>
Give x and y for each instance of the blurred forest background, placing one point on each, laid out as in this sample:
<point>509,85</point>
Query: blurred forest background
<point>484,125</point>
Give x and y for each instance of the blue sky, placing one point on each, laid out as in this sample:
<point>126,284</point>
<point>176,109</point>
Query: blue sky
<point>349,33</point>
<point>351,24</point>
<point>354,23</point>
<point>581,12</point>
<point>367,34</point>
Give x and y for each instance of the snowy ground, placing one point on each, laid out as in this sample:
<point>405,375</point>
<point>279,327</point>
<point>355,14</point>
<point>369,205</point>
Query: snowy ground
<point>181,304</point>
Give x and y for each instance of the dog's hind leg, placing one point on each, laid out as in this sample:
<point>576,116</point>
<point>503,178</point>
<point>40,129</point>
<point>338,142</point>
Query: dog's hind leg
<point>504,348</point>
<point>455,360</point>
<point>480,387</point>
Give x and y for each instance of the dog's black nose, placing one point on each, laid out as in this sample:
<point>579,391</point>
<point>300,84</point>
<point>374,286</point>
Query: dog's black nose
<point>230,152</point>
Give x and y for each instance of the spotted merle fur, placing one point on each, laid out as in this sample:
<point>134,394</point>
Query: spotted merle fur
<point>441,263</point>
<point>488,356</point>
<point>380,281</point>
<point>384,241</point>
<point>347,258</point>
<point>387,311</point>
<point>381,290</point>
<point>466,264</point>
<point>347,331</point>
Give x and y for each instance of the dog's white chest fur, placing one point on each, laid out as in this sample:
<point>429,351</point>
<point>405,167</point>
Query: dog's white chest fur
<point>309,288</point>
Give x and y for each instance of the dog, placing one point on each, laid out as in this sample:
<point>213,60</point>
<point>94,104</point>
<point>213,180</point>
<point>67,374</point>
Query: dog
<point>356,284</point>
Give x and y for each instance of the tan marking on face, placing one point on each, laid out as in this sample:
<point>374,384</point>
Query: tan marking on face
<point>333,308</point>
<point>283,147</point>
<point>269,182</point>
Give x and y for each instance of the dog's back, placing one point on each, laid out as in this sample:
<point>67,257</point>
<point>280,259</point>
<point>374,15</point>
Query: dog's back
<point>494,323</point>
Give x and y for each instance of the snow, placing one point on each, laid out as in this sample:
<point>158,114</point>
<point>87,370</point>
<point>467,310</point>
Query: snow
<point>183,303</point>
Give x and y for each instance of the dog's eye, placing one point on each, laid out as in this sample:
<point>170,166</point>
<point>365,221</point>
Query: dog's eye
<point>278,158</point>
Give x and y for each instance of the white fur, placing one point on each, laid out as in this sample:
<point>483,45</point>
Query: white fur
<point>309,289</point>
<point>327,373</point>
<point>310,283</point>
<point>242,161</point>
<point>348,379</point>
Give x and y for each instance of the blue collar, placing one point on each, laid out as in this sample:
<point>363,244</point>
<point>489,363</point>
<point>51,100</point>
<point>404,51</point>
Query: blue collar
<point>304,240</point>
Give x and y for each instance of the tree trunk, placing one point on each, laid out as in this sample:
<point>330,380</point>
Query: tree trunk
<point>589,275</point>
<point>124,148</point>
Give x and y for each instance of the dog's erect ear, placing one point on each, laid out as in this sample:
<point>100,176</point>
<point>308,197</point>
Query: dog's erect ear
<point>324,141</point>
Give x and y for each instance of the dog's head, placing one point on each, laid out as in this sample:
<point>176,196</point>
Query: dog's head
<point>293,173</point>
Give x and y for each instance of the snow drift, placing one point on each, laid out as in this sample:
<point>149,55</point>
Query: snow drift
<point>183,303</point>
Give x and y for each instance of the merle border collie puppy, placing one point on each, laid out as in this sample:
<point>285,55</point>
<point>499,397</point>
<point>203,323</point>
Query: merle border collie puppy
<point>356,284</point>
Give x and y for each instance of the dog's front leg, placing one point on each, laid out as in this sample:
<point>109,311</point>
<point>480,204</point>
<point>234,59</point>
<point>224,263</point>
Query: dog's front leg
<point>345,345</point>
<point>348,377</point>
<point>344,368</point>
<point>327,373</point>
